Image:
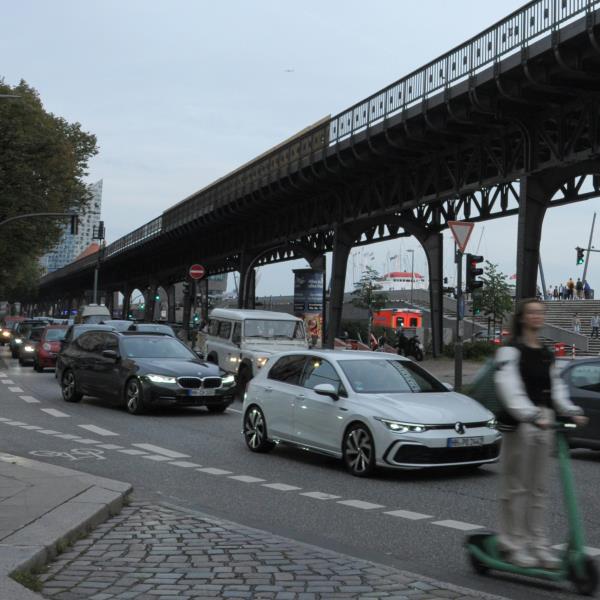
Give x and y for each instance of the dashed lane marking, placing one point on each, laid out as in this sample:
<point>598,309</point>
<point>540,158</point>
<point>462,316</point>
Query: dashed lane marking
<point>30,399</point>
<point>235,410</point>
<point>156,457</point>
<point>185,464</point>
<point>320,495</point>
<point>213,471</point>
<point>7,381</point>
<point>408,514</point>
<point>53,412</point>
<point>587,549</point>
<point>282,487</point>
<point>159,450</point>
<point>360,504</point>
<point>30,427</point>
<point>132,452</point>
<point>98,430</point>
<point>246,478</point>
<point>86,441</point>
<point>457,525</point>
<point>48,432</point>
<point>4,419</point>
<point>69,436</point>
<point>16,390</point>
<point>109,446</point>
<point>15,423</point>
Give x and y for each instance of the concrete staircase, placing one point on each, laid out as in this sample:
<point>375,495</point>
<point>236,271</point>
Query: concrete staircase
<point>560,313</point>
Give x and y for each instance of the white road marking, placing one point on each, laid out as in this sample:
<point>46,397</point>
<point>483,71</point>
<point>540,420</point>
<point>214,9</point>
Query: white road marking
<point>156,457</point>
<point>68,436</point>
<point>246,478</point>
<point>87,441</point>
<point>588,549</point>
<point>30,399</point>
<point>408,514</point>
<point>212,471</point>
<point>185,464</point>
<point>97,430</point>
<point>7,381</point>
<point>132,452</point>
<point>360,504</point>
<point>29,427</point>
<point>458,525</point>
<point>3,375</point>
<point>235,410</point>
<point>48,431</point>
<point>16,390</point>
<point>109,446</point>
<point>282,487</point>
<point>54,413</point>
<point>4,419</point>
<point>320,495</point>
<point>159,450</point>
<point>15,423</point>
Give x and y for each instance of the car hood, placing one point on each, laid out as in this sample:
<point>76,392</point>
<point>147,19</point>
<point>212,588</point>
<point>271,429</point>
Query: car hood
<point>268,347</point>
<point>428,408</point>
<point>177,367</point>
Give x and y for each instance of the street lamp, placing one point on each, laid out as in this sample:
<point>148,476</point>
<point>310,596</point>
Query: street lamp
<point>412,275</point>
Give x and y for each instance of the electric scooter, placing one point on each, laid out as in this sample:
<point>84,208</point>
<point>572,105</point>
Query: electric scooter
<point>576,566</point>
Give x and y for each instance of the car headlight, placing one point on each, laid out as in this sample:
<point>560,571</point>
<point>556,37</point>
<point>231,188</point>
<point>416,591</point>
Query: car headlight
<point>161,378</point>
<point>6,333</point>
<point>18,341</point>
<point>492,423</point>
<point>28,348</point>
<point>401,427</point>
<point>228,380</point>
<point>261,361</point>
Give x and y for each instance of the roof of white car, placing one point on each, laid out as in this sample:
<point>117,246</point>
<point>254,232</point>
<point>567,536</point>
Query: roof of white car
<point>349,354</point>
<point>243,314</point>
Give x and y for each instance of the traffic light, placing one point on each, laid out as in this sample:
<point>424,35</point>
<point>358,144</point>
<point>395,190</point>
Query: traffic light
<point>579,255</point>
<point>473,271</point>
<point>186,288</point>
<point>157,297</point>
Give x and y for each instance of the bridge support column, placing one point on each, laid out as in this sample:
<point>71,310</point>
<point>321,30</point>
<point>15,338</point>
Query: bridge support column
<point>433,244</point>
<point>247,286</point>
<point>126,302</point>
<point>187,307</point>
<point>533,202</point>
<point>341,250</point>
<point>171,303</point>
<point>150,293</point>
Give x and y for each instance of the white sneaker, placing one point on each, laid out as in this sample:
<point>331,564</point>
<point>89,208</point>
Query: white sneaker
<point>547,558</point>
<point>522,558</point>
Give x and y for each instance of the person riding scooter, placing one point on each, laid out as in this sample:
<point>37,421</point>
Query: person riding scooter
<point>531,393</point>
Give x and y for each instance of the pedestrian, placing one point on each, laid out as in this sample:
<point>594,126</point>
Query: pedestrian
<point>531,392</point>
<point>587,290</point>
<point>382,341</point>
<point>595,324</point>
<point>579,289</point>
<point>570,288</point>
<point>576,323</point>
<point>402,342</point>
<point>561,292</point>
<point>556,292</point>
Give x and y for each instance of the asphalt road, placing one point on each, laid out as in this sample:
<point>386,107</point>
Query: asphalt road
<point>198,460</point>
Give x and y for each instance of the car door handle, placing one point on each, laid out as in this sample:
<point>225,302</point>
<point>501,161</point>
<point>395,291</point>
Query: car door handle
<point>300,397</point>
<point>268,389</point>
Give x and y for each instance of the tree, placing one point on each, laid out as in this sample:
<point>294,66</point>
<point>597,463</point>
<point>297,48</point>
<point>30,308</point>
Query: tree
<point>368,295</point>
<point>493,299</point>
<point>43,159</point>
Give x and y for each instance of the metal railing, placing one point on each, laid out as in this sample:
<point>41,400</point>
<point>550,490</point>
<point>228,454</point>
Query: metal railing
<point>516,31</point>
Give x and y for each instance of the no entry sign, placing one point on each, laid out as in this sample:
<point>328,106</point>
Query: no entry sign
<point>197,272</point>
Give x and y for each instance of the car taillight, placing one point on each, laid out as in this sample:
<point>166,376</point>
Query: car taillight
<point>47,347</point>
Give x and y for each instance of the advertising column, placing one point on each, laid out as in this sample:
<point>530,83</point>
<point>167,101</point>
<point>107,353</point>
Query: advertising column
<point>308,302</point>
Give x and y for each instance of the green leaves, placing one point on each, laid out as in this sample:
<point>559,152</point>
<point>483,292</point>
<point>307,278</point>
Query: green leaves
<point>494,297</point>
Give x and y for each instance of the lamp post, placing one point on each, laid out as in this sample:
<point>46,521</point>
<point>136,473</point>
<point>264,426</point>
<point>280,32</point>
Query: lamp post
<point>412,274</point>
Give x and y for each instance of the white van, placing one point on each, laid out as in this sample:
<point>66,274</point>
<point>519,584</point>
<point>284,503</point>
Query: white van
<point>241,341</point>
<point>92,314</point>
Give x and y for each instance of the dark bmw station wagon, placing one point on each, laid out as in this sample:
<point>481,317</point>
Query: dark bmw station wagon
<point>141,371</point>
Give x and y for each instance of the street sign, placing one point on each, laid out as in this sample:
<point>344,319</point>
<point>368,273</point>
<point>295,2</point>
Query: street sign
<point>197,272</point>
<point>461,230</point>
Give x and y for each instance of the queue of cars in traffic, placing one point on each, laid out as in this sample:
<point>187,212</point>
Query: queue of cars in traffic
<point>369,409</point>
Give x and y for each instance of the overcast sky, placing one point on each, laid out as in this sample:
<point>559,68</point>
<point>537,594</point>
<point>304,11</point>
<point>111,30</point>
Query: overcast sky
<point>181,92</point>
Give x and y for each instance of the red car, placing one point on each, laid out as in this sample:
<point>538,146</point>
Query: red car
<point>48,347</point>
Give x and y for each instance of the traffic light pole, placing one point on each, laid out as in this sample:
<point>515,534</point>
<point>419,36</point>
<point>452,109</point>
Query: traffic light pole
<point>458,345</point>
<point>589,249</point>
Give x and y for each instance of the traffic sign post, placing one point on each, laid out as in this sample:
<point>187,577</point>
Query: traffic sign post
<point>197,271</point>
<point>461,230</point>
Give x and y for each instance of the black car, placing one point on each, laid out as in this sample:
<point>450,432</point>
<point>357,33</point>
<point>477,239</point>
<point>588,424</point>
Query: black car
<point>583,378</point>
<point>124,325</point>
<point>21,333</point>
<point>141,371</point>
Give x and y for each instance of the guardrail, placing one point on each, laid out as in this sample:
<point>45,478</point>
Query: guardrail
<point>519,29</point>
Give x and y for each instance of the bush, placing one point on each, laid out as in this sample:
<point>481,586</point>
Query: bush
<point>472,350</point>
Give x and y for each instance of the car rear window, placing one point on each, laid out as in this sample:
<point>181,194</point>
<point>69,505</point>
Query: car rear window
<point>55,335</point>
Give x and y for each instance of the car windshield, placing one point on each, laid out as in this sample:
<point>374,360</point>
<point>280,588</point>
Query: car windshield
<point>155,347</point>
<point>152,328</point>
<point>272,328</point>
<point>389,377</point>
<point>55,335</point>
<point>118,325</point>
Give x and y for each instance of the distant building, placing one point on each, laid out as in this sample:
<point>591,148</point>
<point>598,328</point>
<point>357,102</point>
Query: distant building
<point>402,280</point>
<point>71,246</point>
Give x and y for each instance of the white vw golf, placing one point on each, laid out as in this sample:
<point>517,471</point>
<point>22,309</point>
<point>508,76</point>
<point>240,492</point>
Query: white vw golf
<point>368,408</point>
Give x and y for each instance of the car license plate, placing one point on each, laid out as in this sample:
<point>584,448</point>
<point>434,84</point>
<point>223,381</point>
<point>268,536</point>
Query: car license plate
<point>201,392</point>
<point>465,441</point>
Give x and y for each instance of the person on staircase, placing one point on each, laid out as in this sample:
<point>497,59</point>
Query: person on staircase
<point>570,288</point>
<point>576,323</point>
<point>595,324</point>
<point>579,289</point>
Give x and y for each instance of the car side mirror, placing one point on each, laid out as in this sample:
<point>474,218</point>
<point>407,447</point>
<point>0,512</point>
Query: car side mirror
<point>326,389</point>
<point>448,386</point>
<point>110,354</point>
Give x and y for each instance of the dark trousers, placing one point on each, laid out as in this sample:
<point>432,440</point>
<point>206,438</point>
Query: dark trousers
<point>594,332</point>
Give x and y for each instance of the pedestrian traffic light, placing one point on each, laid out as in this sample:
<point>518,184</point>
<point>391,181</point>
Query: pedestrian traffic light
<point>186,288</point>
<point>579,255</point>
<point>473,271</point>
<point>157,297</point>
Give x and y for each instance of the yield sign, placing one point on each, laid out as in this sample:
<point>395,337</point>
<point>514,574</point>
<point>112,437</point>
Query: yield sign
<point>461,230</point>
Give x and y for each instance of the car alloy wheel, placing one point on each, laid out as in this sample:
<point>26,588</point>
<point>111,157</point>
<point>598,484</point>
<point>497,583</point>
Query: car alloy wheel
<point>133,397</point>
<point>69,388</point>
<point>255,431</point>
<point>359,451</point>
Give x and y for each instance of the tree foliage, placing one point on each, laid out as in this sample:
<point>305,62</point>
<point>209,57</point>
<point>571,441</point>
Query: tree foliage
<point>494,298</point>
<point>367,294</point>
<point>43,159</point>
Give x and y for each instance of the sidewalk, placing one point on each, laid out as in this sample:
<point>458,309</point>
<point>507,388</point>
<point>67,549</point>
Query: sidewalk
<point>44,507</point>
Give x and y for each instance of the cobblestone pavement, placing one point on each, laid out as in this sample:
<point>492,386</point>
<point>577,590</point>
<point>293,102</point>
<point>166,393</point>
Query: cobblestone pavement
<point>159,552</point>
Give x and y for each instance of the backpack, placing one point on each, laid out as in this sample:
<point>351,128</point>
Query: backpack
<point>483,390</point>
